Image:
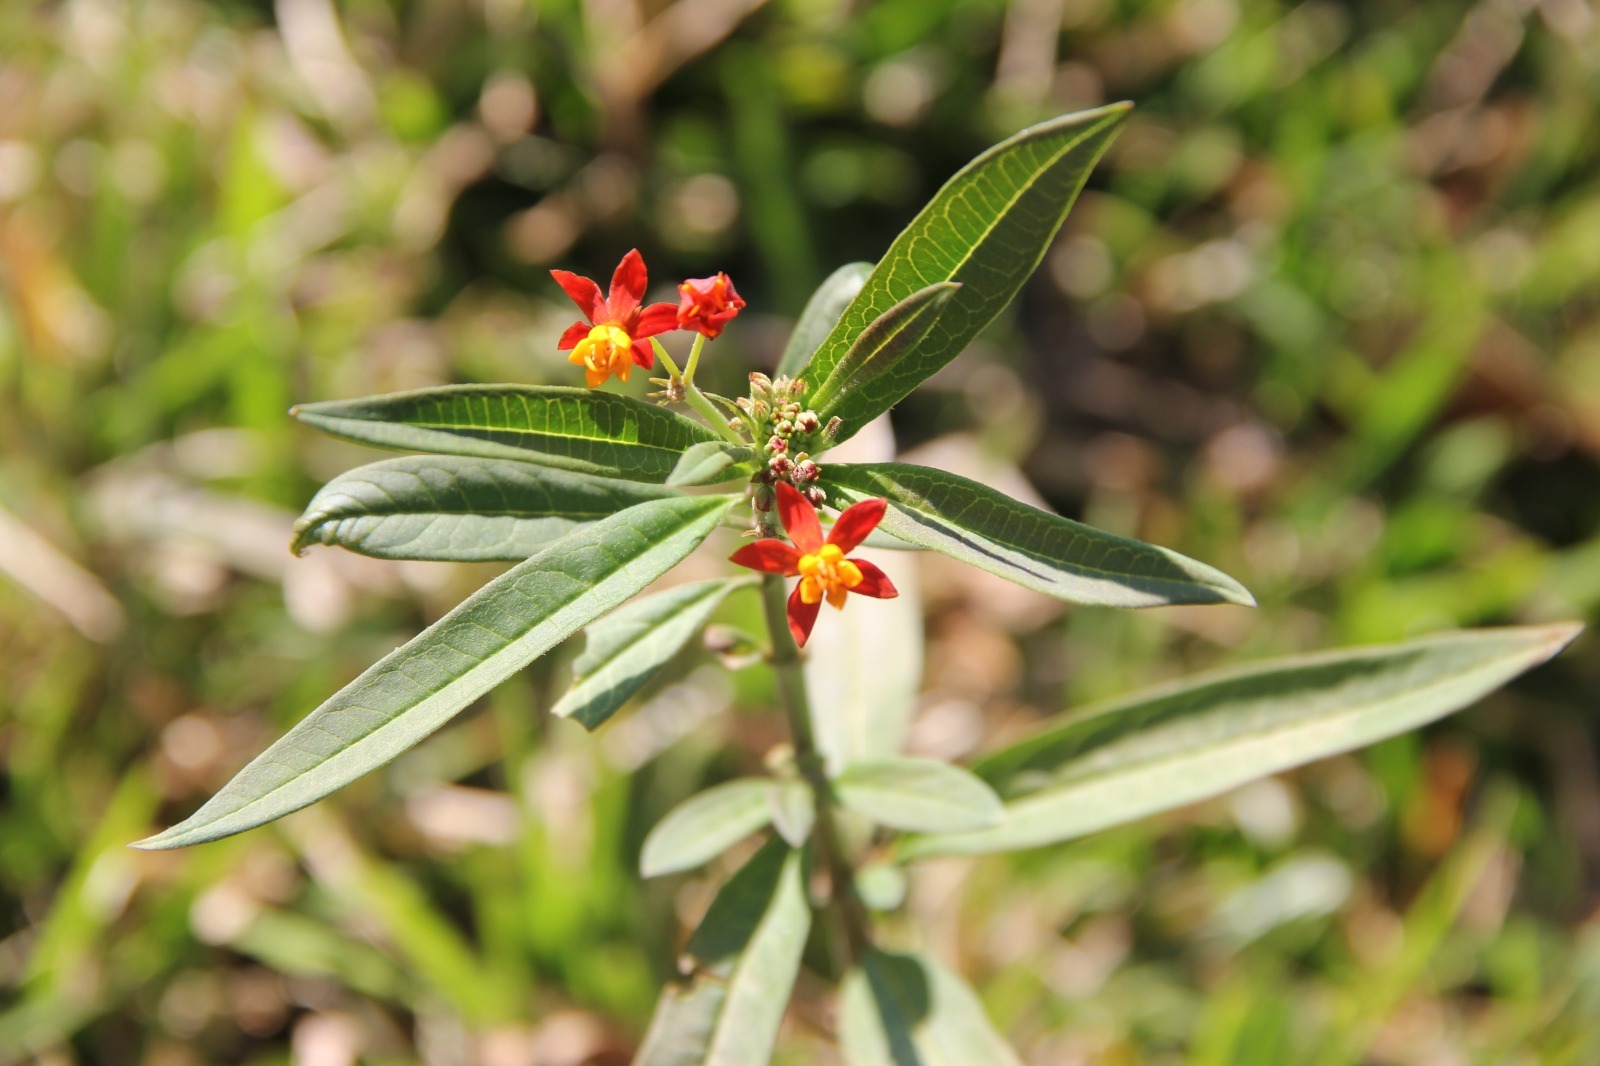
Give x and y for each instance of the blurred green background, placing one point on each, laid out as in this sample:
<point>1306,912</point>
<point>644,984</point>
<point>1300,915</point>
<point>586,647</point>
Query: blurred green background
<point>1328,317</point>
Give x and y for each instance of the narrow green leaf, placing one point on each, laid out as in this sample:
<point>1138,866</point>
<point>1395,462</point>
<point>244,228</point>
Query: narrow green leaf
<point>417,688</point>
<point>714,462</point>
<point>1036,549</point>
<point>747,952</point>
<point>922,795</point>
<point>988,228</point>
<point>705,825</point>
<point>907,1010</point>
<point>459,508</point>
<point>624,649</point>
<point>794,811</point>
<point>821,315</point>
<point>863,668</point>
<point>583,430</point>
<point>1193,739</point>
<point>892,337</point>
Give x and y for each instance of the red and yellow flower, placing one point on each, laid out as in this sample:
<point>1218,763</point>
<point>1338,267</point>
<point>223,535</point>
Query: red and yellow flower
<point>612,340</point>
<point>707,304</point>
<point>821,565</point>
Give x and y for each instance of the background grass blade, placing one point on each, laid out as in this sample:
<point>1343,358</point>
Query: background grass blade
<point>1196,738</point>
<point>625,649</point>
<point>907,1010</point>
<point>417,688</point>
<point>923,795</point>
<point>747,952</point>
<point>1045,552</point>
<point>584,430</point>
<point>988,228</point>
<point>459,508</point>
<point>821,315</point>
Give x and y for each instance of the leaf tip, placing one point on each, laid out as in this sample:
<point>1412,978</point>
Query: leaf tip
<point>165,840</point>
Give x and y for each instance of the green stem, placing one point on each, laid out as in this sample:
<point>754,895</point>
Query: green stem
<point>691,394</point>
<point>694,358</point>
<point>666,359</point>
<point>855,925</point>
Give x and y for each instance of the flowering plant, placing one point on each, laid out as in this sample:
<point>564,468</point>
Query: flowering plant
<point>586,492</point>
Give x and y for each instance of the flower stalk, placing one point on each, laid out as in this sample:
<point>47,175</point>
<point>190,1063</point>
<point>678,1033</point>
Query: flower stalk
<point>854,926</point>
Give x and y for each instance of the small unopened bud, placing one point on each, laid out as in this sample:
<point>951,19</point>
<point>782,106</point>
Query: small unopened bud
<point>735,424</point>
<point>815,494</point>
<point>759,409</point>
<point>831,430</point>
<point>790,410</point>
<point>777,446</point>
<point>806,422</point>
<point>760,384</point>
<point>745,404</point>
<point>784,428</point>
<point>797,388</point>
<point>781,466</point>
<point>763,498</point>
<point>805,470</point>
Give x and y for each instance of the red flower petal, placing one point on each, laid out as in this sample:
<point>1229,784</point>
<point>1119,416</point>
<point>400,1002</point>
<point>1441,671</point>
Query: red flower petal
<point>644,354</point>
<point>584,293</point>
<point>655,319</point>
<point>802,616</point>
<point>575,333</point>
<point>769,556</point>
<point>627,286</point>
<point>799,518</point>
<point>874,582</point>
<point>855,522</point>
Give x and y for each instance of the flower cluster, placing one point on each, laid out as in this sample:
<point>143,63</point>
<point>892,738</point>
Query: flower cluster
<point>609,341</point>
<point>785,432</point>
<point>821,565</point>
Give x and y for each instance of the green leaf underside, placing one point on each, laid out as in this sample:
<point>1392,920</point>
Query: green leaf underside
<point>794,811</point>
<point>908,1010</point>
<point>417,688</point>
<point>460,508</point>
<point>1197,738</point>
<point>583,430</point>
<point>626,648</point>
<point>919,795</point>
<point>821,315</point>
<point>705,825</point>
<point>1057,556</point>
<point>714,462</point>
<point>748,953</point>
<point>891,337</point>
<point>988,228</point>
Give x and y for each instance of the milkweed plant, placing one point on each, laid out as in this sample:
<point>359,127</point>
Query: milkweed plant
<point>595,496</point>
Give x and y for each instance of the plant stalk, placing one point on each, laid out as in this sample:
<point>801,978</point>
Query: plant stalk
<point>855,925</point>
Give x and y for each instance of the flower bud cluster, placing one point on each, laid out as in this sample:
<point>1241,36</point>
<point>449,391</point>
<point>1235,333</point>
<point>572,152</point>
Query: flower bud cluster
<point>786,432</point>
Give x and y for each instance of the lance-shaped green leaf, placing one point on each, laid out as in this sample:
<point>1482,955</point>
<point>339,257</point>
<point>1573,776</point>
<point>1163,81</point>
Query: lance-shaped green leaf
<point>583,430</point>
<point>1196,738</point>
<point>794,810</point>
<point>418,687</point>
<point>893,337</point>
<point>459,508</point>
<point>747,953</point>
<point>625,648</point>
<point>705,825</point>
<point>714,462</point>
<point>1036,549</point>
<point>907,1010</point>
<point>923,795</point>
<point>988,228</point>
<point>821,315</point>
